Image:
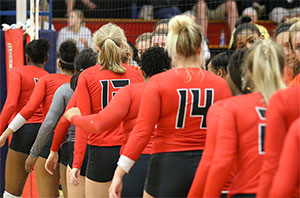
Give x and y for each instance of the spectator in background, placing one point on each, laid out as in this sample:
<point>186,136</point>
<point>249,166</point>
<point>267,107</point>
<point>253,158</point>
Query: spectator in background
<point>216,10</point>
<point>165,9</point>
<point>71,3</point>
<point>143,42</point>
<point>76,31</point>
<point>279,10</point>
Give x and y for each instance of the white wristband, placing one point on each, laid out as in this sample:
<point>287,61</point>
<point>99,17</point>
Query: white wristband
<point>17,122</point>
<point>125,163</point>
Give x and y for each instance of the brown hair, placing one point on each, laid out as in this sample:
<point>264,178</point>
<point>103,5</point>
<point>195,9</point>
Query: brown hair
<point>110,38</point>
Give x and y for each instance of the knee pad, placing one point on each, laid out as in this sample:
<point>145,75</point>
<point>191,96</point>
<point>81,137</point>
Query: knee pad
<point>8,195</point>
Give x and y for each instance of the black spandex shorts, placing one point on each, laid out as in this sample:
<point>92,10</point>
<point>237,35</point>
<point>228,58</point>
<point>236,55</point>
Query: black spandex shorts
<point>84,163</point>
<point>102,163</point>
<point>66,153</point>
<point>171,174</point>
<point>244,196</point>
<point>133,183</point>
<point>24,138</point>
<point>46,150</point>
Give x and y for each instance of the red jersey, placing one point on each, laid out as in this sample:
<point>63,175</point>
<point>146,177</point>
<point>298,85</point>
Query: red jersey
<point>296,81</point>
<point>95,89</point>
<point>287,176</point>
<point>62,126</point>
<point>123,109</point>
<point>177,101</point>
<point>214,114</point>
<point>42,95</point>
<point>283,109</point>
<point>241,138</point>
<point>21,82</point>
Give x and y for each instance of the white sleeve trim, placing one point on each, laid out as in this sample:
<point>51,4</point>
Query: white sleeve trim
<point>17,122</point>
<point>125,163</point>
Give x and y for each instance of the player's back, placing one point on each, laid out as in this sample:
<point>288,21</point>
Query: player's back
<point>43,93</point>
<point>245,115</point>
<point>186,94</point>
<point>101,85</point>
<point>29,76</point>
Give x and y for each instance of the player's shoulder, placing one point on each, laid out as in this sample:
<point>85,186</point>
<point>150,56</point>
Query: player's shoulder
<point>286,95</point>
<point>243,101</point>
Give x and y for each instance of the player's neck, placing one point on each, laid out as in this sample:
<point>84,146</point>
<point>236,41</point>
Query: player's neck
<point>36,64</point>
<point>182,62</point>
<point>67,73</point>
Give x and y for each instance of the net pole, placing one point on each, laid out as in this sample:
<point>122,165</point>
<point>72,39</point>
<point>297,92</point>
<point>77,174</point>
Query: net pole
<point>31,15</point>
<point>36,19</point>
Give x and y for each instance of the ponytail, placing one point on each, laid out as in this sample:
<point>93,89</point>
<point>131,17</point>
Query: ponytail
<point>109,38</point>
<point>265,62</point>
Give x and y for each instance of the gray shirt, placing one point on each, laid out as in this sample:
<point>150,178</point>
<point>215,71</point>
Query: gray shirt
<point>59,102</point>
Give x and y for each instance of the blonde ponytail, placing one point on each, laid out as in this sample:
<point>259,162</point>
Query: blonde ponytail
<point>184,37</point>
<point>265,63</point>
<point>109,39</point>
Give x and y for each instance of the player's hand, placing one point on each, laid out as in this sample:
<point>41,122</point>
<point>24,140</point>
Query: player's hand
<point>117,183</point>
<point>29,163</point>
<point>4,136</point>
<point>72,112</point>
<point>74,174</point>
<point>51,162</point>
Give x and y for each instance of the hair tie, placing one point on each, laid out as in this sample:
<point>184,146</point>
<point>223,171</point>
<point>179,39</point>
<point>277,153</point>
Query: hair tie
<point>81,70</point>
<point>65,62</point>
<point>266,51</point>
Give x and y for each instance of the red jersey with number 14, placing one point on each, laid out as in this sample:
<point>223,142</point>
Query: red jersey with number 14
<point>21,82</point>
<point>177,101</point>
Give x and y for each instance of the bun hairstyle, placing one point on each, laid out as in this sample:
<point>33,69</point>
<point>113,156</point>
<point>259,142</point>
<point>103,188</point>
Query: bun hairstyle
<point>155,60</point>
<point>109,39</point>
<point>265,61</point>
<point>184,37</point>
<point>37,50</point>
<point>66,53</point>
<point>244,23</point>
<point>85,59</point>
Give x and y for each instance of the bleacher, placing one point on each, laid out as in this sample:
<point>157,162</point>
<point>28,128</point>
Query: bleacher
<point>134,27</point>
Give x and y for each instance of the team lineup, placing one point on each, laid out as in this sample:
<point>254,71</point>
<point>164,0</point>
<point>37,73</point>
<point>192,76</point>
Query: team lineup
<point>174,126</point>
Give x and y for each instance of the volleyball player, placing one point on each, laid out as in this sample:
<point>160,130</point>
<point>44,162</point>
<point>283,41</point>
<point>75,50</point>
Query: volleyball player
<point>177,101</point>
<point>245,35</point>
<point>243,123</point>
<point>42,95</point>
<point>279,118</point>
<point>294,38</point>
<point>96,86</point>
<point>21,82</point>
<point>287,176</point>
<point>58,105</point>
<point>218,64</point>
<point>124,108</point>
<point>282,38</point>
<point>234,82</point>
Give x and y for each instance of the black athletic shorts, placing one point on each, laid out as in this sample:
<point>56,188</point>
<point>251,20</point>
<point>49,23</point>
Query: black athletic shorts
<point>102,163</point>
<point>84,163</point>
<point>24,138</point>
<point>244,196</point>
<point>46,150</point>
<point>171,174</point>
<point>133,183</point>
<point>66,153</point>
